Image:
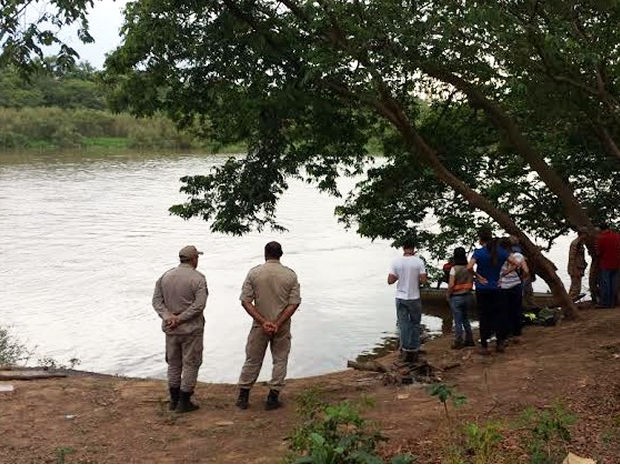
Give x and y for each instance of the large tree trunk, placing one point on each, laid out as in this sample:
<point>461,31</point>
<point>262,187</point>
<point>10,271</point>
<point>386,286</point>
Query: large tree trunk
<point>573,210</point>
<point>388,108</point>
<point>607,141</point>
<point>391,110</point>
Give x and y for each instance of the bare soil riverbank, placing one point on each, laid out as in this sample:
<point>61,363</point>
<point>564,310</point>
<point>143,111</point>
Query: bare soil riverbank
<point>93,418</point>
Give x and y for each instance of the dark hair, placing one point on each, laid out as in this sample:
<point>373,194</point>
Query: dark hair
<point>408,243</point>
<point>273,249</point>
<point>603,225</point>
<point>460,257</point>
<point>506,243</point>
<point>485,234</point>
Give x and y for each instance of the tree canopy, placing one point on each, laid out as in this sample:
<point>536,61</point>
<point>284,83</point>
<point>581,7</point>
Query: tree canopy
<point>505,109</point>
<point>28,26</point>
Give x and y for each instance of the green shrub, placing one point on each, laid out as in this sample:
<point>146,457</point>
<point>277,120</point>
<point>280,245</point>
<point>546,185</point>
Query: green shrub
<point>10,140</point>
<point>443,392</point>
<point>334,434</point>
<point>11,350</point>
<point>481,441</point>
<point>546,433</point>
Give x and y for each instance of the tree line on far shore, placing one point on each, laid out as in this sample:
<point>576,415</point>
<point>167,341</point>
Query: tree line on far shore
<point>59,108</point>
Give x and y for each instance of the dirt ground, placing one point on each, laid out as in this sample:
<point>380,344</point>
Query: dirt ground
<point>107,419</point>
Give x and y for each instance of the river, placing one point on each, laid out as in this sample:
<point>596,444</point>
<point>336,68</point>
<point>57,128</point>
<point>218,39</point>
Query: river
<point>83,239</point>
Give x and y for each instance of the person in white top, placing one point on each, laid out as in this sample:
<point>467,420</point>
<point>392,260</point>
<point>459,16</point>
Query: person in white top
<point>514,271</point>
<point>408,272</point>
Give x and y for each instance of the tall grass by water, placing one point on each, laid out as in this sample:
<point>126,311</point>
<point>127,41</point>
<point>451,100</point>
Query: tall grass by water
<point>65,128</point>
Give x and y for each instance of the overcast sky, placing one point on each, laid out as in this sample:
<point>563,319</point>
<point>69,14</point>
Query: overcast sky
<point>105,20</point>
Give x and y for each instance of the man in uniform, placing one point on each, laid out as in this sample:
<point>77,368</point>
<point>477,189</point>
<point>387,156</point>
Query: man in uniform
<point>270,295</point>
<point>577,262</point>
<point>179,299</point>
<point>408,271</point>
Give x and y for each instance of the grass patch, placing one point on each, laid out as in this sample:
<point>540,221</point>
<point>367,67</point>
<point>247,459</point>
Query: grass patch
<point>120,143</point>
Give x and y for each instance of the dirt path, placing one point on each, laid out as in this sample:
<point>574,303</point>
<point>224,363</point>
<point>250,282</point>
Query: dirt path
<point>109,419</point>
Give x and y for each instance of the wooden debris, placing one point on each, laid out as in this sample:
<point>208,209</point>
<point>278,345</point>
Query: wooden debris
<point>451,366</point>
<point>367,366</point>
<point>14,374</point>
<point>400,372</point>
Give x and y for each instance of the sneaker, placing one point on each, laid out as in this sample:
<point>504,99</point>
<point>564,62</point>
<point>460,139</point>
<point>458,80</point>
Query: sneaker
<point>457,345</point>
<point>470,343</point>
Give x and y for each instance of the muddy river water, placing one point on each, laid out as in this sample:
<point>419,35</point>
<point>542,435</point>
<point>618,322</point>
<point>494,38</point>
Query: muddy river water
<point>83,239</point>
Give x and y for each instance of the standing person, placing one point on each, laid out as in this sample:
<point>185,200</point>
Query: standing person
<point>270,294</point>
<point>445,277</point>
<point>460,285</point>
<point>408,271</point>
<point>593,278</point>
<point>608,248</point>
<point>179,299</point>
<point>493,317</point>
<point>577,262</point>
<point>511,277</point>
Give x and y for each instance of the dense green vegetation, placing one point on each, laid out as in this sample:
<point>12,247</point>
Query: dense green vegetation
<point>57,108</point>
<point>55,127</point>
<point>523,127</point>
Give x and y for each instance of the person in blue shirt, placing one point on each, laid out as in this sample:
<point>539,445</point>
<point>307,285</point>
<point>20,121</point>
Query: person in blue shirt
<point>487,261</point>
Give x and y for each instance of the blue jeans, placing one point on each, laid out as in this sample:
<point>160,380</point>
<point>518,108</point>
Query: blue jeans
<point>460,305</point>
<point>409,315</point>
<point>608,287</point>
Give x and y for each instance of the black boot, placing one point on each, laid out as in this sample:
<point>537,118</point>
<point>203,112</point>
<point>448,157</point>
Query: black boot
<point>243,399</point>
<point>412,356</point>
<point>469,340</point>
<point>272,400</point>
<point>175,393</point>
<point>185,404</point>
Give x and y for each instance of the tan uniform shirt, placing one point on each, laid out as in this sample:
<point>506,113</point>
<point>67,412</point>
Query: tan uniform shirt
<point>182,291</point>
<point>576,258</point>
<point>272,287</point>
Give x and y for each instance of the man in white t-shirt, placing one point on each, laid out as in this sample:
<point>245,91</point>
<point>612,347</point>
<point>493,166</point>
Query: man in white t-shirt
<point>408,272</point>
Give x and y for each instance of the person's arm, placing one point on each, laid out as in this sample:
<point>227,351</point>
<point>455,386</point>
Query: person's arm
<point>525,270</point>
<point>294,299</point>
<point>392,278</point>
<point>254,313</point>
<point>451,280</point>
<point>423,278</point>
<point>477,276</point>
<point>199,303</point>
<point>284,316</point>
<point>158,302</point>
